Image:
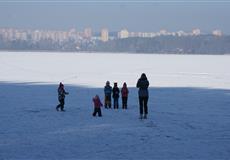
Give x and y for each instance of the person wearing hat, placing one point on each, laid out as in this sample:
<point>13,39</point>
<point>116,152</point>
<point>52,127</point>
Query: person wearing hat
<point>124,94</point>
<point>61,97</point>
<point>116,92</point>
<point>143,94</point>
<point>107,92</point>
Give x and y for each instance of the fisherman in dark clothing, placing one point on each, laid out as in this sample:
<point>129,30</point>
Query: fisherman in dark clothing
<point>143,93</point>
<point>61,97</point>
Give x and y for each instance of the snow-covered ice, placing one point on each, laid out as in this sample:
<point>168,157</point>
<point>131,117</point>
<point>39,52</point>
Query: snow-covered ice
<point>189,107</point>
<point>210,71</point>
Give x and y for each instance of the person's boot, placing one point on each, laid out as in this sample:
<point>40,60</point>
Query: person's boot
<point>141,116</point>
<point>62,109</point>
<point>57,108</point>
<point>145,116</point>
<point>110,106</point>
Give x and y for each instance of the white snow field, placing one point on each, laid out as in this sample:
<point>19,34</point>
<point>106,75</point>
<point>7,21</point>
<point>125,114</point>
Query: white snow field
<point>189,107</point>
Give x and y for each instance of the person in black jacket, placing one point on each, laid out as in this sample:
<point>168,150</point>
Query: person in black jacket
<point>116,92</point>
<point>143,93</point>
<point>61,97</point>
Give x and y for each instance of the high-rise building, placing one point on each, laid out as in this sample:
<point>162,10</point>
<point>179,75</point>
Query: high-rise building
<point>88,33</point>
<point>104,35</point>
<point>123,33</point>
<point>163,32</point>
<point>196,32</point>
<point>217,32</point>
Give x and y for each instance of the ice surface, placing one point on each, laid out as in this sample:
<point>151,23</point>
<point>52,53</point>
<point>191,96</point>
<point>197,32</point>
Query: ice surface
<point>189,107</point>
<point>93,69</point>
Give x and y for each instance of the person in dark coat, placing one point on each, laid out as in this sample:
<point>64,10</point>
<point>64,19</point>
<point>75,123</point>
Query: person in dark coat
<point>124,93</point>
<point>143,93</point>
<point>116,92</point>
<point>97,106</point>
<point>108,93</point>
<point>61,97</point>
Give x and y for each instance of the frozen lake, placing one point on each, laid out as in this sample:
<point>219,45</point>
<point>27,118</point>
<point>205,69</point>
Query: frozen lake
<point>189,107</point>
<point>93,69</point>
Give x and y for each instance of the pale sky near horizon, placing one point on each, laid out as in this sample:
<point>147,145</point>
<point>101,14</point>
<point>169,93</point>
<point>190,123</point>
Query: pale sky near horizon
<point>149,15</point>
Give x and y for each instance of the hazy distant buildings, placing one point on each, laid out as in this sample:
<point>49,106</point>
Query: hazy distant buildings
<point>196,32</point>
<point>217,33</point>
<point>123,33</point>
<point>163,32</point>
<point>104,35</point>
<point>86,40</point>
<point>181,33</point>
<point>88,33</point>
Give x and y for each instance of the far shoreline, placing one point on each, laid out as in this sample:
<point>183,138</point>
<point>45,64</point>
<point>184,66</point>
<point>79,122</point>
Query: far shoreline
<point>95,52</point>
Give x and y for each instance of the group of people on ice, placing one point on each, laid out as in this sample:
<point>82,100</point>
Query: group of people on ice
<point>114,92</point>
<point>111,92</point>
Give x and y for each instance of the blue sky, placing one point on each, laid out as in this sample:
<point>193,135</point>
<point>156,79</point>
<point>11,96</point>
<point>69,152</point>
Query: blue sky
<point>136,15</point>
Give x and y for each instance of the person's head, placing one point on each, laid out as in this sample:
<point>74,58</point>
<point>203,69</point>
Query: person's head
<point>97,97</point>
<point>61,85</point>
<point>115,84</point>
<point>124,84</point>
<point>107,83</point>
<point>143,76</point>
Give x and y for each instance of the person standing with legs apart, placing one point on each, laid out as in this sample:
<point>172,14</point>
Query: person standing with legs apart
<point>116,92</point>
<point>61,97</point>
<point>143,93</point>
<point>124,93</point>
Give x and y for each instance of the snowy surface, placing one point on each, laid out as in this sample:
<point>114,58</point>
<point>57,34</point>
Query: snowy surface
<point>210,71</point>
<point>189,107</point>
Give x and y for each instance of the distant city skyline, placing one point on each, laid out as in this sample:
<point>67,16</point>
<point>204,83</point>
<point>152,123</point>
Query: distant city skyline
<point>136,16</point>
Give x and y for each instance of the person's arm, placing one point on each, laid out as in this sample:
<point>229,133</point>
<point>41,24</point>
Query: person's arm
<point>66,92</point>
<point>138,84</point>
<point>111,90</point>
<point>100,103</point>
<point>147,83</point>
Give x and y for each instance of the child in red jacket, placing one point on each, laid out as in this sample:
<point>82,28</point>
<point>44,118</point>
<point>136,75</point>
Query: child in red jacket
<point>97,106</point>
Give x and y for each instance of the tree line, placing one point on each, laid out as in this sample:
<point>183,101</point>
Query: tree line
<point>203,44</point>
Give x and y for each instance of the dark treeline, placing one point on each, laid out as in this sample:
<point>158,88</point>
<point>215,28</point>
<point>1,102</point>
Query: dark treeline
<point>169,44</point>
<point>203,44</point>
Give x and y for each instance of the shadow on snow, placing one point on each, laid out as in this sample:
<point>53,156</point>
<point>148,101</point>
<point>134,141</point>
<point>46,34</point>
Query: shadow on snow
<point>182,123</point>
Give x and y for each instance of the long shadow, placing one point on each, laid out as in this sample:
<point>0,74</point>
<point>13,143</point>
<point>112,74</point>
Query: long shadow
<point>35,97</point>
